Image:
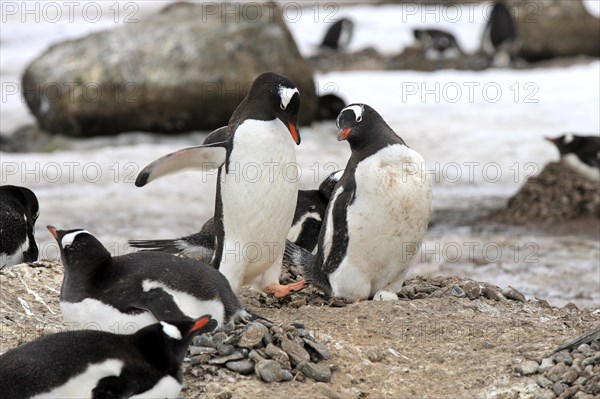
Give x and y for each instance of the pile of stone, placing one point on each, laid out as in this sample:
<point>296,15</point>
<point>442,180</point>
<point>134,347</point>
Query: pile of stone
<point>273,352</point>
<point>557,194</point>
<point>570,373</point>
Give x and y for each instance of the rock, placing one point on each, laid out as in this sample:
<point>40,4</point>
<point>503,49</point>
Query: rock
<point>201,350</point>
<point>544,382</point>
<point>314,371</point>
<point>491,292</point>
<point>514,294</point>
<point>199,359</point>
<point>224,359</point>
<point>558,388</point>
<point>547,364</point>
<point>556,373</point>
<point>569,392</point>
<point>296,353</point>
<point>279,356</point>
<point>253,335</point>
<point>219,338</point>
<point>384,295</point>
<point>584,348</point>
<point>569,377</point>
<point>205,340</point>
<point>528,367</point>
<point>245,366</point>
<point>563,356</point>
<point>317,347</point>
<point>225,350</point>
<point>165,73</point>
<point>271,371</point>
<point>374,355</point>
<point>472,289</point>
<point>457,292</point>
<point>555,28</point>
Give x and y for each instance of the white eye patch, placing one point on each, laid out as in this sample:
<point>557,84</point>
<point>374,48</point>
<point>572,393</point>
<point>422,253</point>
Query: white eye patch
<point>69,238</point>
<point>286,94</point>
<point>358,111</point>
<point>171,330</point>
<point>568,138</point>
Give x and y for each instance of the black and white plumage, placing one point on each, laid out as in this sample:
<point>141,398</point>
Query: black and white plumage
<point>437,43</point>
<point>329,107</point>
<point>125,293</point>
<point>253,212</point>
<point>101,365</point>
<point>19,209</point>
<point>377,215</point>
<point>338,36</point>
<point>500,36</point>
<point>581,153</point>
<point>308,216</point>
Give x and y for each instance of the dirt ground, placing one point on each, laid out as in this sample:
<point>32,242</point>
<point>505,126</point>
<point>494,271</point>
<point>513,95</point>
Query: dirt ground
<point>430,348</point>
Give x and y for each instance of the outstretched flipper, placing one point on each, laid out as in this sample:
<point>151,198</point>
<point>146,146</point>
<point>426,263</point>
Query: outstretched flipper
<point>203,157</point>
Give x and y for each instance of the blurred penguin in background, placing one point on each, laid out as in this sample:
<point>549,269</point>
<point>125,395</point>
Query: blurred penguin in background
<point>338,36</point>
<point>19,209</point>
<point>437,44</point>
<point>499,40</point>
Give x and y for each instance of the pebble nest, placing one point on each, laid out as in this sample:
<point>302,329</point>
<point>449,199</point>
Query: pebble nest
<point>273,352</point>
<point>570,373</point>
<point>556,194</point>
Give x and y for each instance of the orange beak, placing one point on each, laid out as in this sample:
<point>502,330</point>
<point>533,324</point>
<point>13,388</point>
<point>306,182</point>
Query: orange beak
<point>343,135</point>
<point>294,132</point>
<point>52,231</point>
<point>201,322</point>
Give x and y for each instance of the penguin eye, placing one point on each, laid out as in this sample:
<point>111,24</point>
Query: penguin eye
<point>282,106</point>
<point>359,118</point>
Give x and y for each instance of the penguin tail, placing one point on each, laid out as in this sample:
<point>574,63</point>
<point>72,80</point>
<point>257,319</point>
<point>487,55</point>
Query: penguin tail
<point>202,251</point>
<point>583,339</point>
<point>167,246</point>
<point>297,256</point>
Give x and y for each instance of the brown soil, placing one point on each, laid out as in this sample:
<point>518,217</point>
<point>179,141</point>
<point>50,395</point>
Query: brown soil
<point>431,347</point>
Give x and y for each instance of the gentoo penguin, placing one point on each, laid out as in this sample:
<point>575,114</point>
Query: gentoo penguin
<point>329,107</point>
<point>256,185</point>
<point>338,36</point>
<point>377,215</point>
<point>19,209</point>
<point>499,39</point>
<point>125,293</point>
<point>310,208</point>
<point>437,43</point>
<point>581,153</point>
<point>100,364</point>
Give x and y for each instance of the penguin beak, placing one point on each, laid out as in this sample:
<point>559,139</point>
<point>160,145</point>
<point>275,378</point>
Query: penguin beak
<point>200,323</point>
<point>294,132</point>
<point>343,134</point>
<point>52,231</point>
<point>550,140</point>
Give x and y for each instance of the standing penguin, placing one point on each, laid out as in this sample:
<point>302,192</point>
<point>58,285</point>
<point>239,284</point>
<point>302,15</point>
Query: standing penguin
<point>256,185</point>
<point>101,365</point>
<point>499,39</point>
<point>19,209</point>
<point>310,210</point>
<point>125,293</point>
<point>377,215</point>
<point>338,36</point>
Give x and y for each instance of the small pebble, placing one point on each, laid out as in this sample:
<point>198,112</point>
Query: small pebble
<point>564,357</point>
<point>555,373</point>
<point>547,364</point>
<point>374,355</point>
<point>296,353</point>
<point>457,292</point>
<point>384,296</point>
<point>279,356</point>
<point>318,372</point>
<point>244,366</point>
<point>558,388</point>
<point>528,367</point>
<point>225,359</point>
<point>320,348</point>
<point>226,350</point>
<point>201,350</point>
<point>472,290</point>
<point>514,294</point>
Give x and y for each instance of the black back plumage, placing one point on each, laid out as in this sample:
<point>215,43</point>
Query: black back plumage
<point>91,272</point>
<point>436,39</point>
<point>501,25</point>
<point>19,209</point>
<point>586,148</point>
<point>50,361</point>
<point>333,36</point>
<point>328,107</point>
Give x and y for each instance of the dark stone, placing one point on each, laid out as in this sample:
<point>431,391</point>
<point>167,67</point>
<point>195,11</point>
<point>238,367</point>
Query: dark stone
<point>296,353</point>
<point>318,372</point>
<point>317,347</point>
<point>245,366</point>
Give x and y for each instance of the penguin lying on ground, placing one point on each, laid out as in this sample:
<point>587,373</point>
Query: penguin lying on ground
<point>437,43</point>
<point>310,209</point>
<point>377,215</point>
<point>499,39</point>
<point>581,153</point>
<point>102,365</point>
<point>338,36</point>
<point>125,293</point>
<point>19,209</point>
<point>256,186</point>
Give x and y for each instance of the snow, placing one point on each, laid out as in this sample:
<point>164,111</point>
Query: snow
<point>480,132</point>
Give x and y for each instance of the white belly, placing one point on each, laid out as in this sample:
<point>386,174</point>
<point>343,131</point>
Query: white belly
<point>583,169</point>
<point>92,314</point>
<point>386,222</point>
<point>81,386</point>
<point>168,388</point>
<point>259,198</point>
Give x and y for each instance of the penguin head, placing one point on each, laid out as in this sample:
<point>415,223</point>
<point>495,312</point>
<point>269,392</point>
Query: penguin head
<point>282,97</point>
<point>566,143</point>
<point>356,123</point>
<point>26,198</point>
<point>79,247</point>
<point>172,338</point>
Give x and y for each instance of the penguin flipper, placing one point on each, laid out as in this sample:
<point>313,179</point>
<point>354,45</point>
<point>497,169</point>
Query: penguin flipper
<point>203,157</point>
<point>305,260</point>
<point>161,304</point>
<point>112,387</point>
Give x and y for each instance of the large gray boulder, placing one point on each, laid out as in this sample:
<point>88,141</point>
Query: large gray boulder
<point>186,68</point>
<point>555,28</point>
